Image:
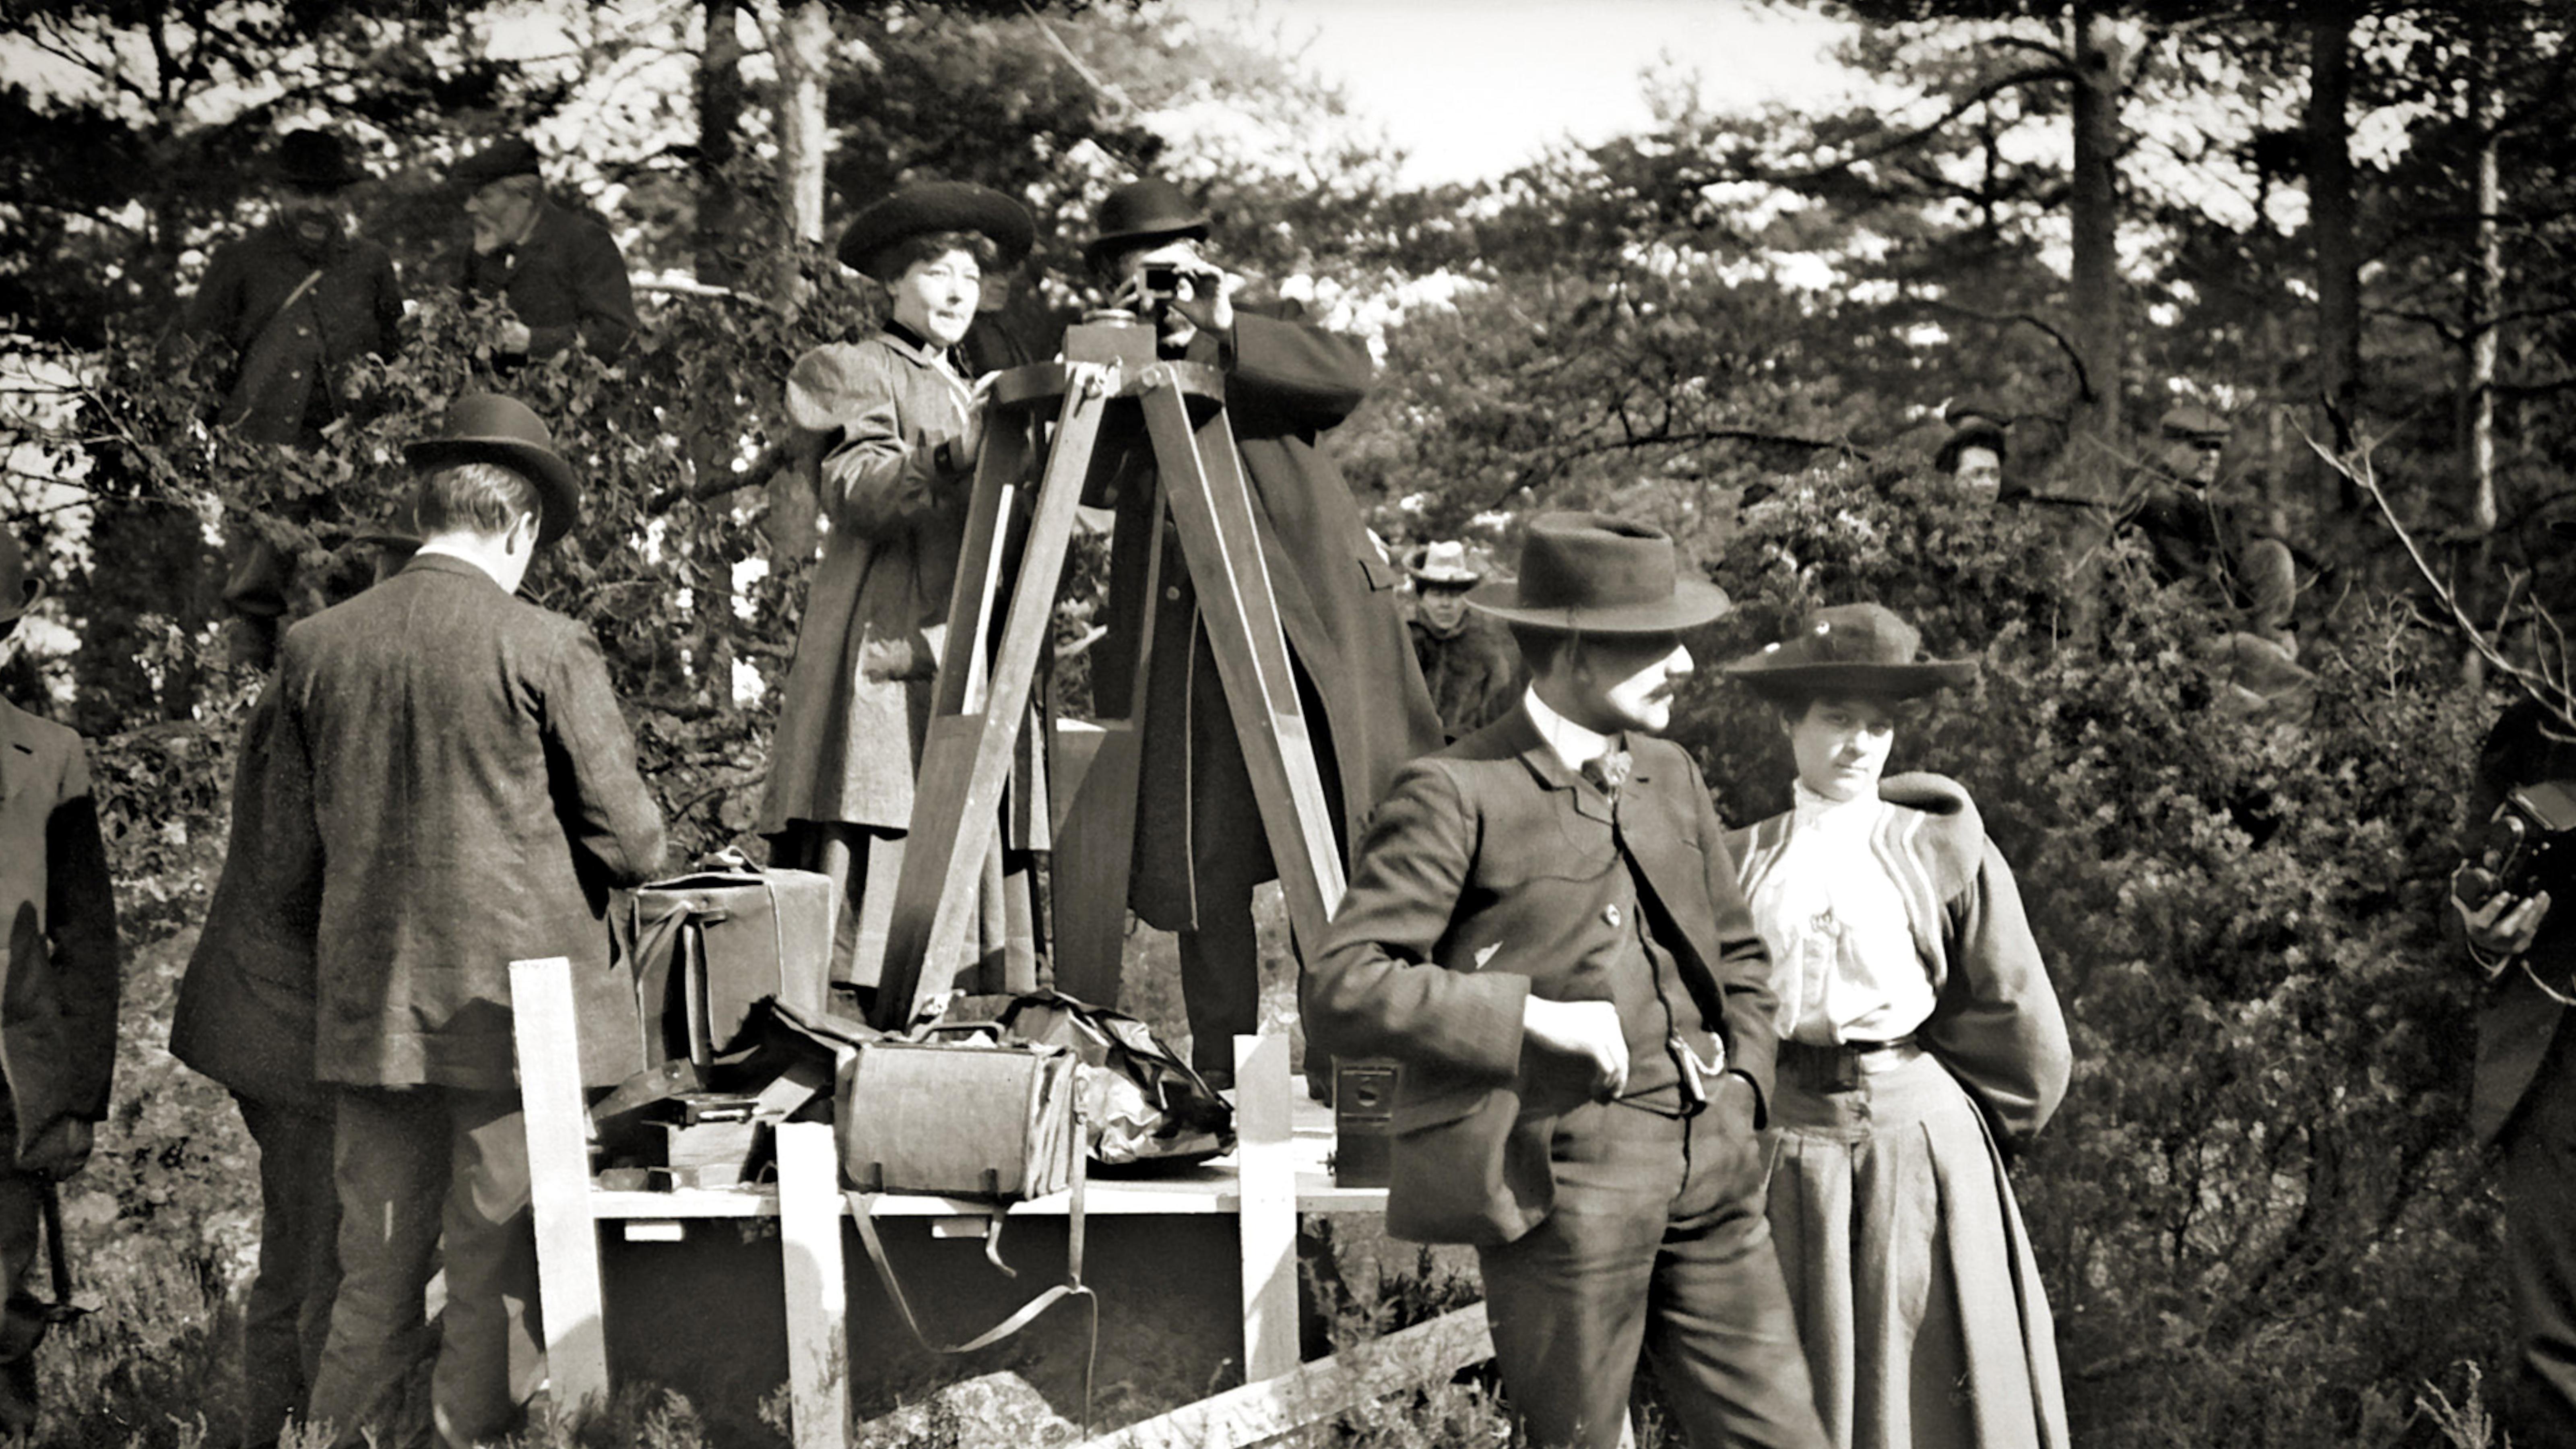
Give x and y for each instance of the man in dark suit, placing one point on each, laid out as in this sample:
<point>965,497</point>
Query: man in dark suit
<point>560,269</point>
<point>1545,929</point>
<point>1200,850</point>
<point>474,794</point>
<point>2522,1097</point>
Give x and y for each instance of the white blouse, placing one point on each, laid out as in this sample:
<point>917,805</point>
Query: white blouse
<point>1843,960</point>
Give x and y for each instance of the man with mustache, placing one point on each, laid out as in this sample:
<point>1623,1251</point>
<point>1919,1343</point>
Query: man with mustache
<point>558,267</point>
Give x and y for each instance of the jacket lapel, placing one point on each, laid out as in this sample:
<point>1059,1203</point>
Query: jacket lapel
<point>17,750</point>
<point>1521,737</point>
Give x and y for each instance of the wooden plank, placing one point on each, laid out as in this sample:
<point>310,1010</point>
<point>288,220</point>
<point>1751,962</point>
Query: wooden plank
<point>1317,1391</point>
<point>542,1022</point>
<point>818,1308</point>
<point>1267,1215</point>
<point>966,758</point>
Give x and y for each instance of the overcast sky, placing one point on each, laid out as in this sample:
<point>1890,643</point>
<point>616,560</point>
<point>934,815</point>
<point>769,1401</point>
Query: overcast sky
<point>1472,88</point>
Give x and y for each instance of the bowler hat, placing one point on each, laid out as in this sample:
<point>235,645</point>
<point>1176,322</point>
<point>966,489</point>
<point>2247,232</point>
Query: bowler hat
<point>934,206</point>
<point>486,427</point>
<point>509,156</point>
<point>1442,565</point>
<point>316,161</point>
<point>1139,213</point>
<point>1854,648</point>
<point>2195,423</point>
<point>1592,573</point>
<point>19,589</point>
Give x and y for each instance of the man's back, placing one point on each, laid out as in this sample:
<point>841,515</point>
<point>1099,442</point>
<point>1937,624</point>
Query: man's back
<point>475,792</point>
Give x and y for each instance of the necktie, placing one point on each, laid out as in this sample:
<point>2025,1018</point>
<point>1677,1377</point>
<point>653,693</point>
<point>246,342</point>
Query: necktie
<point>1608,772</point>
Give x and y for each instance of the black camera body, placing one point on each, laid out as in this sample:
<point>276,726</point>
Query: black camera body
<point>1162,283</point>
<point>2530,842</point>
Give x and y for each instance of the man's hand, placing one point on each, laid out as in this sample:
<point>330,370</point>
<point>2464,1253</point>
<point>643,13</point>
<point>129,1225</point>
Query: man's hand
<point>515,336</point>
<point>1734,1100</point>
<point>1585,1029</point>
<point>2502,924</point>
<point>59,1151</point>
<point>1206,295</point>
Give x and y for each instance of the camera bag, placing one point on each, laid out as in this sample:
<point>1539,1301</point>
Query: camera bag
<point>957,1113</point>
<point>1142,1105</point>
<point>704,948</point>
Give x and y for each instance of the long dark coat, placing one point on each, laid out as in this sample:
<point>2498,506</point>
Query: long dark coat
<point>293,344</point>
<point>567,282</point>
<point>475,793</point>
<point>2517,1021</point>
<point>1197,825</point>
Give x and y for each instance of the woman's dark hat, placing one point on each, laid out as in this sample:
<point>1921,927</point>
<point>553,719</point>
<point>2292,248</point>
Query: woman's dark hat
<point>1592,573</point>
<point>486,427</point>
<point>934,206</point>
<point>1140,213</point>
<point>19,589</point>
<point>1976,432</point>
<point>510,156</point>
<point>317,162</point>
<point>1855,649</point>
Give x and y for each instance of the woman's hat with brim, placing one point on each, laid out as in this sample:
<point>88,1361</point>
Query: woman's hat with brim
<point>1591,573</point>
<point>1142,213</point>
<point>316,162</point>
<point>937,206</point>
<point>19,589</point>
<point>486,427</point>
<point>1851,649</point>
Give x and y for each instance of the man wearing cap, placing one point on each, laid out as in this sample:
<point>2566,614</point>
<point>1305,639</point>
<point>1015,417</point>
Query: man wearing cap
<point>2199,536</point>
<point>1544,928</point>
<point>1198,853</point>
<point>2522,1094</point>
<point>294,305</point>
<point>1467,659</point>
<point>559,268</point>
<point>59,977</point>
<point>473,795</point>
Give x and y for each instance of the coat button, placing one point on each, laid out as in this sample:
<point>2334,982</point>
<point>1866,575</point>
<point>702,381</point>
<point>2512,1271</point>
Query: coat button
<point>303,331</point>
<point>1610,915</point>
<point>1173,593</point>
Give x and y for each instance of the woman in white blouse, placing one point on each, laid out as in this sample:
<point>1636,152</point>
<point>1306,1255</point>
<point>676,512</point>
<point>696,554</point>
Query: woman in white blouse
<point>1920,1044</point>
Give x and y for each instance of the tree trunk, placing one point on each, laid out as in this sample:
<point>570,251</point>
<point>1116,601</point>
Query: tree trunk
<point>2332,224</point>
<point>2484,292</point>
<point>2093,290</point>
<point>719,83</point>
<point>804,51</point>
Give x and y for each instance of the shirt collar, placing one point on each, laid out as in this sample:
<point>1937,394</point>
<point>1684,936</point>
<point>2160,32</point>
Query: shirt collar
<point>1572,743</point>
<point>1815,810</point>
<point>440,550</point>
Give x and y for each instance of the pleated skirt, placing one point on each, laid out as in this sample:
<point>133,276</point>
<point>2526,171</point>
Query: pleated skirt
<point>1917,1297</point>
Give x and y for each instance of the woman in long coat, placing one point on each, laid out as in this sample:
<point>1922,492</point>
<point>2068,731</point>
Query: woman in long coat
<point>889,428</point>
<point>1920,1043</point>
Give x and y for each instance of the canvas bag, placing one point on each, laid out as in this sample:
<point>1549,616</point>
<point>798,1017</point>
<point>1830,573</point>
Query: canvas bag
<point>1142,1106</point>
<point>704,948</point>
<point>957,1113</point>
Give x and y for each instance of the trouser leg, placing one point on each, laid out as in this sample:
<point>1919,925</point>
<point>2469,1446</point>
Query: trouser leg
<point>2539,1179</point>
<point>491,1353</point>
<point>1722,1335</point>
<point>21,1213</point>
<point>1221,978</point>
<point>390,1163</point>
<point>289,1315</point>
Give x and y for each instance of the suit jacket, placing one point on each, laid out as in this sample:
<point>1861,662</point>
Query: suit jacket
<point>2517,1021</point>
<point>59,978</point>
<point>567,282</point>
<point>245,1011</point>
<point>1287,383</point>
<point>290,374</point>
<point>474,792</point>
<point>1482,882</point>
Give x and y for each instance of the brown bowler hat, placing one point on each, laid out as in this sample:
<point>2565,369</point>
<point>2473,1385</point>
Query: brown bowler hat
<point>1592,573</point>
<point>1140,213</point>
<point>1851,648</point>
<point>486,427</point>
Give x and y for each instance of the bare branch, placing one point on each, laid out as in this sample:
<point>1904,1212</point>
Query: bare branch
<point>1904,139</point>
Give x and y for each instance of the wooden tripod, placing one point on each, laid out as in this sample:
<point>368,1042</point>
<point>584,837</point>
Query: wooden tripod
<point>981,698</point>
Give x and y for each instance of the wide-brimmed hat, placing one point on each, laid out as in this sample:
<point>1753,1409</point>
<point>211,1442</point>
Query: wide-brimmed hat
<point>315,161</point>
<point>1140,213</point>
<point>1855,649</point>
<point>486,427</point>
<point>19,589</point>
<point>1592,573</point>
<point>509,156</point>
<point>1443,564</point>
<point>933,206</point>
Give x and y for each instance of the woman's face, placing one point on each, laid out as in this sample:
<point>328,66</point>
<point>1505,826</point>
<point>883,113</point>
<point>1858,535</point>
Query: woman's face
<point>936,298</point>
<point>1841,745</point>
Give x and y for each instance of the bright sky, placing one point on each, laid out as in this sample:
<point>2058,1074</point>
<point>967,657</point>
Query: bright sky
<point>1473,88</point>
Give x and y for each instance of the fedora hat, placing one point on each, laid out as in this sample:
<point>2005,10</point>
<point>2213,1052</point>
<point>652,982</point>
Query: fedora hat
<point>19,589</point>
<point>1442,564</point>
<point>316,161</point>
<point>1854,648</point>
<point>509,156</point>
<point>935,206</point>
<point>486,427</point>
<point>1595,574</point>
<point>1139,213</point>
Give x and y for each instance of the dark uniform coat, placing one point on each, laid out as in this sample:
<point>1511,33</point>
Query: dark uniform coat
<point>1482,883</point>
<point>59,980</point>
<point>1197,827</point>
<point>567,282</point>
<point>290,379</point>
<point>475,794</point>
<point>2517,1021</point>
